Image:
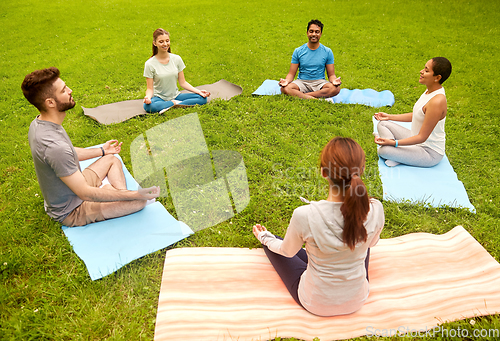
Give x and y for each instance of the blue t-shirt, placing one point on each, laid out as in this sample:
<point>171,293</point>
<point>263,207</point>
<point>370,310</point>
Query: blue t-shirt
<point>312,63</point>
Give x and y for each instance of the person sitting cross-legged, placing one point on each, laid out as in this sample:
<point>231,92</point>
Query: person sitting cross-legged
<point>424,144</point>
<point>73,197</point>
<point>311,60</point>
<point>329,276</point>
<point>162,71</point>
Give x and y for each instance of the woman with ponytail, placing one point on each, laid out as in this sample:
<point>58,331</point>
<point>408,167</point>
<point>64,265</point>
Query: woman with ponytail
<point>162,71</point>
<point>330,276</point>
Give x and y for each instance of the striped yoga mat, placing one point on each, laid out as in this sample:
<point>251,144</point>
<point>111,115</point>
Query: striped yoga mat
<point>417,282</point>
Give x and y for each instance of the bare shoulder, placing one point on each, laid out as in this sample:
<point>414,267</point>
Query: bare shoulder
<point>438,101</point>
<point>436,107</point>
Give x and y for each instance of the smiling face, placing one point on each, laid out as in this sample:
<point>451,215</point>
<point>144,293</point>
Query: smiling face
<point>314,33</point>
<point>162,42</point>
<point>427,75</point>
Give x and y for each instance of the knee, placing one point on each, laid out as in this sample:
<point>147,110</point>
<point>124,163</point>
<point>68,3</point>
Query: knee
<point>112,160</point>
<point>333,91</point>
<point>384,151</point>
<point>286,90</point>
<point>381,124</point>
<point>379,151</point>
<point>147,108</point>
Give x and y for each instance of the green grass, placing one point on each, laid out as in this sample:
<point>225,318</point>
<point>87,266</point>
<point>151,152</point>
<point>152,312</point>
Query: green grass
<point>100,47</point>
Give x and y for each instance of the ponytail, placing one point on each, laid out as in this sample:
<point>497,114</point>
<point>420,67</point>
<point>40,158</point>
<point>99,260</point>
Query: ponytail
<point>343,159</point>
<point>355,210</point>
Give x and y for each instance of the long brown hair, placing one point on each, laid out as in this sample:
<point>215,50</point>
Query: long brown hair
<point>159,32</point>
<point>343,162</point>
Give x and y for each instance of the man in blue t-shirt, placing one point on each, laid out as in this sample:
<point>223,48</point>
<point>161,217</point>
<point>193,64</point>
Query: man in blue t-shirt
<point>312,59</point>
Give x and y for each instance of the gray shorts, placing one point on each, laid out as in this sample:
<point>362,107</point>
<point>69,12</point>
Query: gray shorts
<point>306,86</point>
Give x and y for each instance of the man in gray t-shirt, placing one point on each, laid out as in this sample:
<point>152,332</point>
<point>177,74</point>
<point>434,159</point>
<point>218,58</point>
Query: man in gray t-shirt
<point>71,196</point>
<point>54,157</point>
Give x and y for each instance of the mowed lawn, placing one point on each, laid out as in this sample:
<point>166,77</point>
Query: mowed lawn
<point>100,47</point>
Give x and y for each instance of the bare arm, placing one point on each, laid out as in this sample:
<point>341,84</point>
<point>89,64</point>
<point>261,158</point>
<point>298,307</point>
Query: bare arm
<point>435,110</point>
<point>76,182</point>
<point>330,72</point>
<point>382,116</point>
<point>185,85</point>
<point>149,90</point>
<point>290,76</point>
<point>110,147</point>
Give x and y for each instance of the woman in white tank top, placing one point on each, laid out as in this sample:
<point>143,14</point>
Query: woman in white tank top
<point>424,144</point>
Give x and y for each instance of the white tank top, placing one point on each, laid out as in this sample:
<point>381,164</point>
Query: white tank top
<point>436,140</point>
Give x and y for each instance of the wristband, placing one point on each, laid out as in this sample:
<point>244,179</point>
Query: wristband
<point>102,149</point>
<point>396,145</point>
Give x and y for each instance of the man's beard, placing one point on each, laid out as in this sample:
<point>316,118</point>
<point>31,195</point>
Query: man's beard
<point>61,107</point>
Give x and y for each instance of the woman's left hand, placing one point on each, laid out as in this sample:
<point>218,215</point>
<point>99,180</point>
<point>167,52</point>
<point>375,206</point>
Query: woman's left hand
<point>257,228</point>
<point>204,93</point>
<point>384,142</point>
<point>112,147</point>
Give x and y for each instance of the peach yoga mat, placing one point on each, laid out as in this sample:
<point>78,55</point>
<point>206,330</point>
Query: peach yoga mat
<point>417,281</point>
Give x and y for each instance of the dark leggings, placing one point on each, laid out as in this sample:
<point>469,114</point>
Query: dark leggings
<point>290,269</point>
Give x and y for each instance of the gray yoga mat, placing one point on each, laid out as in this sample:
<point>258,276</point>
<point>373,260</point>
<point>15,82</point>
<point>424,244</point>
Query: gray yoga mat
<point>122,111</point>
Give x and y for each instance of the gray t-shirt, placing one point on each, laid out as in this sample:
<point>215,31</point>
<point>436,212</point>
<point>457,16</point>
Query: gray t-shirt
<point>54,157</point>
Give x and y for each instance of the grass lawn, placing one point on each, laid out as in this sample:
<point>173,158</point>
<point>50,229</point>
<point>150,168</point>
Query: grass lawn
<point>100,46</point>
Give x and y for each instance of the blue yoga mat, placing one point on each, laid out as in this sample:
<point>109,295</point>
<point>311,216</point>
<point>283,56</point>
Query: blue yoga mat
<point>367,97</point>
<point>108,245</point>
<point>437,186</point>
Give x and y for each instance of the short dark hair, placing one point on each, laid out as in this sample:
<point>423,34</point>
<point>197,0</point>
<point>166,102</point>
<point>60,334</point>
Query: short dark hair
<point>315,22</point>
<point>441,66</point>
<point>38,86</point>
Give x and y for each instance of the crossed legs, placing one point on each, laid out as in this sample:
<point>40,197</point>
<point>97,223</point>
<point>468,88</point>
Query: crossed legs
<point>414,155</point>
<point>158,104</point>
<point>291,269</point>
<point>328,90</point>
<point>111,167</point>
